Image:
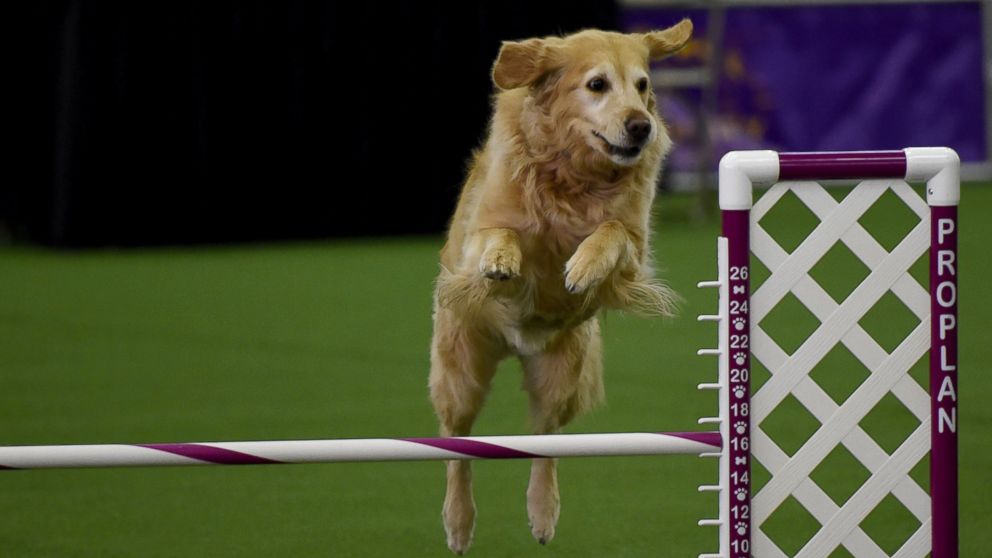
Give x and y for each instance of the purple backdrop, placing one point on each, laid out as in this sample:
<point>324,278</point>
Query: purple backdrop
<point>821,78</point>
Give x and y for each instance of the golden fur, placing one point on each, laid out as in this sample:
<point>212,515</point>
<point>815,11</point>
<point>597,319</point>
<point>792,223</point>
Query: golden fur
<point>551,227</point>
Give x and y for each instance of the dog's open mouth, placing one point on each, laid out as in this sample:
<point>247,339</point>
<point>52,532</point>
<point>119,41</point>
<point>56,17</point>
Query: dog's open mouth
<point>620,151</point>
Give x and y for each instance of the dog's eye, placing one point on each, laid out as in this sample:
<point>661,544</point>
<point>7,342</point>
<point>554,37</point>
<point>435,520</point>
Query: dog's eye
<point>642,85</point>
<point>597,84</point>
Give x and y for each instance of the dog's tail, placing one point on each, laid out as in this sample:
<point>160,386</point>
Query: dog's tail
<point>645,296</point>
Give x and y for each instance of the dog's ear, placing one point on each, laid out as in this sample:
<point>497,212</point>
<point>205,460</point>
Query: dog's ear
<point>520,64</point>
<point>667,41</point>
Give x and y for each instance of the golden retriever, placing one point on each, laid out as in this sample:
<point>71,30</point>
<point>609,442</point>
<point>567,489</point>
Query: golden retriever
<point>551,227</point>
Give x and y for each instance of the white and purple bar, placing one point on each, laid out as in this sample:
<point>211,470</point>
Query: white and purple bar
<point>375,449</point>
<point>939,168</point>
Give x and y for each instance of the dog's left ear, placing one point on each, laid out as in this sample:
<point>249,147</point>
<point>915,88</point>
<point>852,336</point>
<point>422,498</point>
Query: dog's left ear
<point>668,41</point>
<point>520,64</point>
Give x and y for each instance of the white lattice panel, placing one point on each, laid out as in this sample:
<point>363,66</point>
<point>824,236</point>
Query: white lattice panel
<point>839,324</point>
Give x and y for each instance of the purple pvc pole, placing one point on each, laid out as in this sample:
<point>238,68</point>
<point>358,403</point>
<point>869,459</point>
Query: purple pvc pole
<point>838,165</point>
<point>736,229</point>
<point>944,380</point>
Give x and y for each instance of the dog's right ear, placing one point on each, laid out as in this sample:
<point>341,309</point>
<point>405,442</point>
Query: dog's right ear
<point>520,64</point>
<point>668,41</point>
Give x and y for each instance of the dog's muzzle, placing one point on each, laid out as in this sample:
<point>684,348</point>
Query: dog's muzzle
<point>624,151</point>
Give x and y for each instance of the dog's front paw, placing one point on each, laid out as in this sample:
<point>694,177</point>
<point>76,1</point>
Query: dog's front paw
<point>585,270</point>
<point>501,262</point>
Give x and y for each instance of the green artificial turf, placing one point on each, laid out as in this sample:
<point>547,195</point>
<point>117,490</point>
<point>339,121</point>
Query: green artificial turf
<point>329,340</point>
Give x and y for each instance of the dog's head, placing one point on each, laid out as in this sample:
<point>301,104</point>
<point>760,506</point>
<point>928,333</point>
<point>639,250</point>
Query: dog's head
<point>594,87</point>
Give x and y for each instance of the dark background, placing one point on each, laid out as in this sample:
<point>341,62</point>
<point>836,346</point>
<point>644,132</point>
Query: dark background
<point>166,123</point>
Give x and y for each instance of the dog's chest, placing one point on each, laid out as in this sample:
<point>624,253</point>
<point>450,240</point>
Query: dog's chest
<point>540,306</point>
<point>535,322</point>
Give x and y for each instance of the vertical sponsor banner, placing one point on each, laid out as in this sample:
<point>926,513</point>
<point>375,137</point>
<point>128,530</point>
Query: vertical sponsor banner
<point>944,379</point>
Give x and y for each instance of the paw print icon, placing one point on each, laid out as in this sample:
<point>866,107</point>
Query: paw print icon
<point>741,528</point>
<point>741,494</point>
<point>739,358</point>
<point>740,426</point>
<point>739,324</point>
<point>739,392</point>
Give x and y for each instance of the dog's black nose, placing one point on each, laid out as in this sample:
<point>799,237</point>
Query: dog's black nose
<point>638,128</point>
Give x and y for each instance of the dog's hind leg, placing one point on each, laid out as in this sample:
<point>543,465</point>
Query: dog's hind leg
<point>462,365</point>
<point>563,381</point>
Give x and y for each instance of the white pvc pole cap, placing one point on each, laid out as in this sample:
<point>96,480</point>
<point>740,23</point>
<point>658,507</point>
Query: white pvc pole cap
<point>739,171</point>
<point>940,168</point>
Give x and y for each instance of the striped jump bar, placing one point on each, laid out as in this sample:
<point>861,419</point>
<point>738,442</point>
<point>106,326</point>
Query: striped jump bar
<point>375,449</point>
